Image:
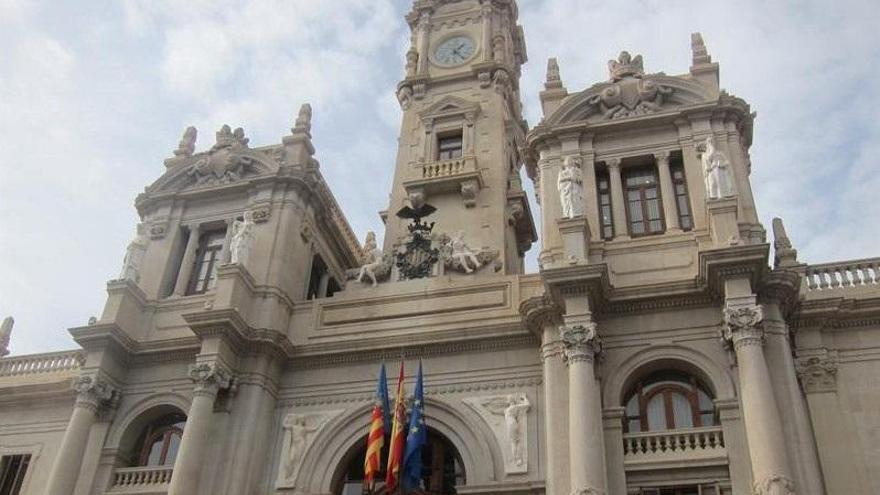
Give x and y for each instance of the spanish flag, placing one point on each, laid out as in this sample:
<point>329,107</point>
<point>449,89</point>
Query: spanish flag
<point>376,438</point>
<point>398,437</point>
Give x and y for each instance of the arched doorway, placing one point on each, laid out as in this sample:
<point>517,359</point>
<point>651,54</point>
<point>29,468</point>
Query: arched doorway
<point>442,469</point>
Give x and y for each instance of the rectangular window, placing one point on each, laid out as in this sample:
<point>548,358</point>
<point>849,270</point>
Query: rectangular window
<point>604,194</point>
<point>204,273</point>
<point>449,147</point>
<point>679,184</point>
<point>12,471</point>
<point>643,201</point>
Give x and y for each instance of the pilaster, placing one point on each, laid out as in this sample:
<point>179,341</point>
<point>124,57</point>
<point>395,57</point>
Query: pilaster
<point>618,208</point>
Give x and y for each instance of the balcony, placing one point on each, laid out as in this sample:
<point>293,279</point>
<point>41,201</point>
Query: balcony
<point>141,480</point>
<point>457,174</point>
<point>674,448</point>
<point>32,364</point>
<point>840,276</point>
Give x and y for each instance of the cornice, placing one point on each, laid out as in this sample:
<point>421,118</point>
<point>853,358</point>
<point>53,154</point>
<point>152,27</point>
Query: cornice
<point>227,323</point>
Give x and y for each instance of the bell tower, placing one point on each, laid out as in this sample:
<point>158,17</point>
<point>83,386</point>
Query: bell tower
<point>462,130</point>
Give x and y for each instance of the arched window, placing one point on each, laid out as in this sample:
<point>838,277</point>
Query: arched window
<point>160,441</point>
<point>442,469</point>
<point>668,400</point>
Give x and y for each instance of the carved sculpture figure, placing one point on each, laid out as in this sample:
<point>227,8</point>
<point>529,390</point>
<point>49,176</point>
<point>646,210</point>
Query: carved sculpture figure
<point>134,256</point>
<point>412,61</point>
<point>571,189</point>
<point>304,118</point>
<point>187,144</point>
<point>462,254</point>
<point>5,335</point>
<point>295,426</point>
<point>242,238</point>
<point>717,171</point>
<point>374,258</point>
<point>514,408</point>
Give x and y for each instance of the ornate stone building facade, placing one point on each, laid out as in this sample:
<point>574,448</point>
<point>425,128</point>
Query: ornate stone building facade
<point>660,350</point>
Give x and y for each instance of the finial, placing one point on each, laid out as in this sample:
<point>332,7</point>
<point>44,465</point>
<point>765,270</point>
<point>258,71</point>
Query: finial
<point>786,255</point>
<point>187,145</point>
<point>554,80</point>
<point>699,53</point>
<point>626,66</point>
<point>303,119</point>
<point>226,137</point>
<point>5,333</point>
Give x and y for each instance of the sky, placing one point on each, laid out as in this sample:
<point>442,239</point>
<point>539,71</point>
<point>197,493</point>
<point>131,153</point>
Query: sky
<point>94,95</point>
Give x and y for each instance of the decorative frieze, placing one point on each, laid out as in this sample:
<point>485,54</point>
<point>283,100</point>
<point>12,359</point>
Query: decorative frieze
<point>580,342</point>
<point>818,373</point>
<point>742,326</point>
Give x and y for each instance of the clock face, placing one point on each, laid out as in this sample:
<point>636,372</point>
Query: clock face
<point>455,50</point>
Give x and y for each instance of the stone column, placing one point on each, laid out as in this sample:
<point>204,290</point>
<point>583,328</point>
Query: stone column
<point>586,445</point>
<point>551,208</point>
<point>209,380</point>
<point>486,11</point>
<point>556,413</point>
<point>667,189</point>
<point>833,427</point>
<point>424,31</point>
<point>770,468</point>
<point>91,394</point>
<point>618,202</point>
<point>186,264</point>
<point>227,242</point>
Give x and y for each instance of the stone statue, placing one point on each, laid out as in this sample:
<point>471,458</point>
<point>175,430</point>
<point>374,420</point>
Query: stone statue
<point>412,61</point>
<point>514,408</point>
<point>295,426</point>
<point>571,188</point>
<point>187,145</point>
<point>462,254</point>
<point>134,256</point>
<point>5,335</point>
<point>373,259</point>
<point>304,118</point>
<point>242,238</point>
<point>718,173</point>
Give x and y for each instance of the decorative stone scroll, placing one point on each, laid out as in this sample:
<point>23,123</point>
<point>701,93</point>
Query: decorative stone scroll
<point>742,325</point>
<point>580,342</point>
<point>300,431</point>
<point>775,484</point>
<point>225,162</point>
<point>817,373</point>
<point>507,416</point>
<point>93,392</point>
<point>630,93</point>
<point>210,378</point>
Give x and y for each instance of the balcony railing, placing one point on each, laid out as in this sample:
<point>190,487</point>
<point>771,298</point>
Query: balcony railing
<point>141,479</point>
<point>41,363</point>
<point>843,275</point>
<point>448,168</point>
<point>686,445</point>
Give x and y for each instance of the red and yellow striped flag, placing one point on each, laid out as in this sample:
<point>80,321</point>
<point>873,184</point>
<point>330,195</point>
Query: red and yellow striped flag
<point>376,437</point>
<point>398,437</point>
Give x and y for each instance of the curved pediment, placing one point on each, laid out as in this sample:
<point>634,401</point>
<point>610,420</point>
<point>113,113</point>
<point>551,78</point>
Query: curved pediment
<point>630,97</point>
<point>228,161</point>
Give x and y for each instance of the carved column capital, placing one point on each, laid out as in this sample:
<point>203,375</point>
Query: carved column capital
<point>93,393</point>
<point>742,326</point>
<point>580,342</point>
<point>774,484</point>
<point>662,158</point>
<point>817,373</point>
<point>613,163</point>
<point>209,378</point>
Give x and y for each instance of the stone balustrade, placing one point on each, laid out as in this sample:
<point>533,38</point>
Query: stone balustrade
<point>41,363</point>
<point>685,445</point>
<point>132,480</point>
<point>447,168</point>
<point>843,275</point>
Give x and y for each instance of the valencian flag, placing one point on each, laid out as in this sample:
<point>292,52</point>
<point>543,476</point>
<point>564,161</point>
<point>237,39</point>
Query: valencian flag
<point>416,438</point>
<point>379,424</point>
<point>398,437</point>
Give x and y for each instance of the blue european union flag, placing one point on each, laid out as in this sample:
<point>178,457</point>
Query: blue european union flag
<point>382,397</point>
<point>416,438</point>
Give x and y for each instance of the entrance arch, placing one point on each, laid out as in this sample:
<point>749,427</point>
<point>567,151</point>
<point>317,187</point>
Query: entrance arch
<point>442,469</point>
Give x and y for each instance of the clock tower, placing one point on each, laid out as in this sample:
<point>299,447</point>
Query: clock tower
<point>462,130</point>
